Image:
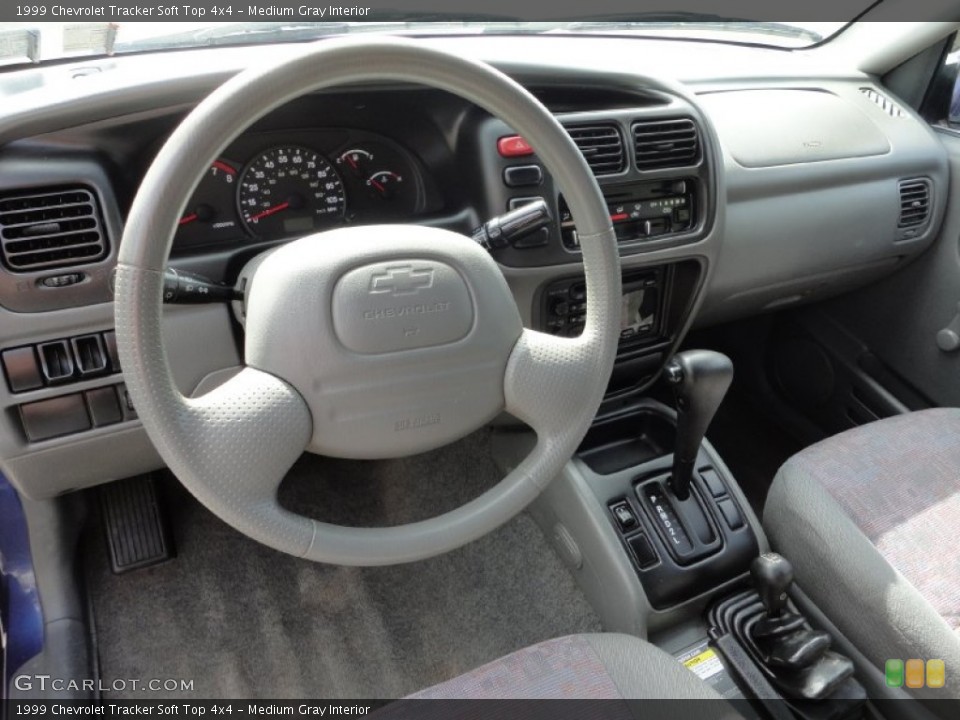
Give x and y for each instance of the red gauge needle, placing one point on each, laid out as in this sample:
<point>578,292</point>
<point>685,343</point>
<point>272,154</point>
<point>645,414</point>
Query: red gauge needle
<point>188,218</point>
<point>270,211</point>
<point>378,186</point>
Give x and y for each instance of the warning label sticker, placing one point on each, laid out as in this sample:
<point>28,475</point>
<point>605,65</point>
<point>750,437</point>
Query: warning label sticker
<point>705,664</point>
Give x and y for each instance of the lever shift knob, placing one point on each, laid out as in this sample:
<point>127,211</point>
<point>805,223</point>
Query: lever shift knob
<point>700,379</point>
<point>773,575</point>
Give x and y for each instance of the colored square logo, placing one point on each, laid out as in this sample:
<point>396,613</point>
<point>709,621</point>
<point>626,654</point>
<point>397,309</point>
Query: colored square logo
<point>914,673</point>
<point>936,674</point>
<point>894,673</point>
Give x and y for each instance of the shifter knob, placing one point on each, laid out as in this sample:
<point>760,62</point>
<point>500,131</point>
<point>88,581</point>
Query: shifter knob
<point>773,575</point>
<point>700,379</point>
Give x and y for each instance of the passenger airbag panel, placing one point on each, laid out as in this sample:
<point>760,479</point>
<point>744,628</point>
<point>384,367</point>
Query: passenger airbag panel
<point>764,128</point>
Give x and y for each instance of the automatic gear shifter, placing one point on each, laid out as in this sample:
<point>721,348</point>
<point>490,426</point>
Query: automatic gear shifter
<point>700,379</point>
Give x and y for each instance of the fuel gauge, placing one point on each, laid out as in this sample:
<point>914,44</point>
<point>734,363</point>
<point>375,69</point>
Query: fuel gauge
<point>385,184</point>
<point>356,162</point>
<point>381,180</point>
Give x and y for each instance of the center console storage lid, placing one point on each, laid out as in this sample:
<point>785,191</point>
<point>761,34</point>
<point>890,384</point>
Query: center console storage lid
<point>763,128</point>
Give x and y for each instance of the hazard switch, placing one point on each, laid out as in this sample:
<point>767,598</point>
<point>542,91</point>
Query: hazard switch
<point>513,146</point>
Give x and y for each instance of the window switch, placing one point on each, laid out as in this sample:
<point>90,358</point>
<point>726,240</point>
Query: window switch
<point>730,513</point>
<point>713,482</point>
<point>624,516</point>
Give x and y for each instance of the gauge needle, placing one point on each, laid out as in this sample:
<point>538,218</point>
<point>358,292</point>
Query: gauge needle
<point>378,186</point>
<point>188,218</point>
<point>270,211</point>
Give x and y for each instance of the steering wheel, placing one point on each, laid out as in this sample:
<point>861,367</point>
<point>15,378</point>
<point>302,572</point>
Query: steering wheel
<point>365,342</point>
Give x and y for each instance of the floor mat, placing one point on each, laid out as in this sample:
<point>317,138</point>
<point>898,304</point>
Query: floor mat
<point>241,620</point>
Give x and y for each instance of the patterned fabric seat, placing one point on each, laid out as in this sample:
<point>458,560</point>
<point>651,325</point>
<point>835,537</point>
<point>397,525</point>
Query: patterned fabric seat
<point>604,666</point>
<point>870,520</point>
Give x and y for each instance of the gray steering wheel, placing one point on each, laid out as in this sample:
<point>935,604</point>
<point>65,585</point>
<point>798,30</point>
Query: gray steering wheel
<point>365,342</point>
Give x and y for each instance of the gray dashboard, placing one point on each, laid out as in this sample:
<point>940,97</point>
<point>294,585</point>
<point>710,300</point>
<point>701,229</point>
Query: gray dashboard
<point>799,189</point>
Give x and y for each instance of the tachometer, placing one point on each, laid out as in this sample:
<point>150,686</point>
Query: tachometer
<point>210,216</point>
<point>290,190</point>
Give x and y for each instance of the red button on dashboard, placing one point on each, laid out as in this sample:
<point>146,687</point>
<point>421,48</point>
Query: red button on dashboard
<point>513,146</point>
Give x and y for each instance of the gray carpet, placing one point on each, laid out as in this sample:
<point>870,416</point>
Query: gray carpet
<point>241,620</point>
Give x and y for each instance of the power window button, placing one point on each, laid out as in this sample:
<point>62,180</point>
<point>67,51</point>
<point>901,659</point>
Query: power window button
<point>730,513</point>
<point>624,516</point>
<point>713,482</point>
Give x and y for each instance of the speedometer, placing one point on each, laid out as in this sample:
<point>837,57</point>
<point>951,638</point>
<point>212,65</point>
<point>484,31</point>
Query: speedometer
<point>290,190</point>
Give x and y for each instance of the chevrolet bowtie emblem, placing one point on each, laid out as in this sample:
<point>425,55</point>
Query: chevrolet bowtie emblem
<point>401,280</point>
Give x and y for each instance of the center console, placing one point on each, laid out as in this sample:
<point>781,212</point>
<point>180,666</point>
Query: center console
<point>672,509</point>
<point>664,544</point>
<point>678,549</point>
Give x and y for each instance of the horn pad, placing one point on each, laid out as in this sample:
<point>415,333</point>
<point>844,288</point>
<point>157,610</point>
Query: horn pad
<point>400,305</point>
<point>396,336</point>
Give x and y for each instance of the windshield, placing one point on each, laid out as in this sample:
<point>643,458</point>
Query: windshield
<point>25,42</point>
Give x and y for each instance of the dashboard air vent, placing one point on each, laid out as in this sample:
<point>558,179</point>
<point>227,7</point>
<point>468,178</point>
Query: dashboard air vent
<point>666,143</point>
<point>883,102</point>
<point>914,203</point>
<point>602,147</point>
<point>50,228</point>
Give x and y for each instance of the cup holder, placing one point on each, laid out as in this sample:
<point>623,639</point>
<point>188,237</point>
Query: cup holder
<point>627,441</point>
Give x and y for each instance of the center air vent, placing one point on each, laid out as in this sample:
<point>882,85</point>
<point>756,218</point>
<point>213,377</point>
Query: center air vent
<point>602,147</point>
<point>666,143</point>
<point>914,203</point>
<point>50,228</point>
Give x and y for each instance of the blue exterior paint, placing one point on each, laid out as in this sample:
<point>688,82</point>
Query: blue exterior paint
<point>21,616</point>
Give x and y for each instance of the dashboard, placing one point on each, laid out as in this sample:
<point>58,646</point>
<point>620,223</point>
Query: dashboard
<point>730,195</point>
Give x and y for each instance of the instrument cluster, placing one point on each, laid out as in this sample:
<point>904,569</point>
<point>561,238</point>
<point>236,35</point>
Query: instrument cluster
<point>280,185</point>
